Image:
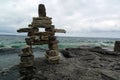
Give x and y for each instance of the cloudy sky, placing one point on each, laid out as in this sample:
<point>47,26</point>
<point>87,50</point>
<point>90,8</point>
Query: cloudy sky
<point>83,18</point>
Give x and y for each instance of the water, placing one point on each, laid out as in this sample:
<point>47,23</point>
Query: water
<point>12,41</point>
<point>17,42</point>
<point>8,59</point>
<point>70,42</point>
<point>64,42</point>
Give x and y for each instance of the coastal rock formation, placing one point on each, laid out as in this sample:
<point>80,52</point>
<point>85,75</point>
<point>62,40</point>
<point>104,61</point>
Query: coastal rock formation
<point>81,64</point>
<point>84,63</point>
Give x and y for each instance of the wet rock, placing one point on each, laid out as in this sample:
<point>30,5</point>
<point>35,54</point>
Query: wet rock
<point>4,72</point>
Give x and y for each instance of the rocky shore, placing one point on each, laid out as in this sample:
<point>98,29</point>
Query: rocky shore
<point>84,63</point>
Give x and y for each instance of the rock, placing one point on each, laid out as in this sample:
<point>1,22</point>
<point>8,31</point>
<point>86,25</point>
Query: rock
<point>52,56</point>
<point>39,76</point>
<point>96,65</point>
<point>53,59</point>
<point>26,64</point>
<point>5,71</point>
<point>117,66</point>
<point>97,47</point>
<point>110,75</point>
<point>52,52</point>
<point>41,22</point>
<point>41,10</point>
<point>44,38</point>
<point>36,37</point>
<point>27,51</point>
<point>66,53</point>
<point>40,18</point>
<point>103,51</point>
<point>35,41</point>
<point>44,33</point>
<point>28,30</point>
<point>117,46</point>
<point>41,25</point>
<point>78,67</point>
<point>27,71</point>
<point>50,29</point>
<point>27,58</point>
<point>53,46</point>
<point>53,42</point>
<point>88,57</point>
<point>59,30</point>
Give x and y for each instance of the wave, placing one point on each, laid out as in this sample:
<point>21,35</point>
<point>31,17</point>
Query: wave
<point>61,45</point>
<point>12,45</point>
<point>19,42</point>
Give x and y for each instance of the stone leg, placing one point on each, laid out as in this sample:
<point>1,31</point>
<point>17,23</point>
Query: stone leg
<point>52,56</point>
<point>26,68</point>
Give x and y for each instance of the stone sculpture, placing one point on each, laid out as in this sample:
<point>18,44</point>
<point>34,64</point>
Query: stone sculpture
<point>35,37</point>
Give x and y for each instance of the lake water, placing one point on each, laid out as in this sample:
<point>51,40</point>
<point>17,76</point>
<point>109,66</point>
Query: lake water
<point>8,59</point>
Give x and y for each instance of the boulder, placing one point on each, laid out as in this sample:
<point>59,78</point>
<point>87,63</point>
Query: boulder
<point>117,46</point>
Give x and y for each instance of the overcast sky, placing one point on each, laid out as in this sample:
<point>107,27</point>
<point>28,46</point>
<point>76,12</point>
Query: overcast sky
<point>83,18</point>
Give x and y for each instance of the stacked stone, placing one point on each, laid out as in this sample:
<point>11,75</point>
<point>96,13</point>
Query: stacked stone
<point>26,68</point>
<point>36,37</point>
<point>26,57</point>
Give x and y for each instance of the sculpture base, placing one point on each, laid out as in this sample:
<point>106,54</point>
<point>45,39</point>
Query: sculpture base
<point>52,56</point>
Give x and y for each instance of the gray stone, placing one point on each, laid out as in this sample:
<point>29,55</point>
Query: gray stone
<point>110,75</point>
<point>27,51</point>
<point>117,46</point>
<point>41,10</point>
<point>27,59</point>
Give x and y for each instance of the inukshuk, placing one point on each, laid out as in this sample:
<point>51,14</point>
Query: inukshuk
<point>36,37</point>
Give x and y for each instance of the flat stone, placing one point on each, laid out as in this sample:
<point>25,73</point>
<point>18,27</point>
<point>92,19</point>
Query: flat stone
<point>46,38</point>
<point>28,30</point>
<point>44,33</point>
<point>53,59</point>
<point>59,30</point>
<point>53,46</point>
<point>56,30</point>
<point>88,57</point>
<point>27,51</point>
<point>26,64</point>
<point>110,75</point>
<point>42,18</point>
<point>53,42</point>
<point>36,41</point>
<point>52,53</point>
<point>27,59</point>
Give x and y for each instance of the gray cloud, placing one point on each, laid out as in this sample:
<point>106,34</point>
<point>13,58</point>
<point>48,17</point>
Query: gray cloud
<point>78,17</point>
